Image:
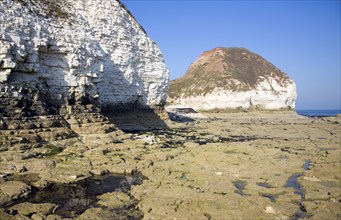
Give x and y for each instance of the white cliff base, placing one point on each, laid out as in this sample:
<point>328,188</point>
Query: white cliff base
<point>266,96</point>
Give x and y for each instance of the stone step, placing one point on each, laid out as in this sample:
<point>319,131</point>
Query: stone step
<point>93,128</point>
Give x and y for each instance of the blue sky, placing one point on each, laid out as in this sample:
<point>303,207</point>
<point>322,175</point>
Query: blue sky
<point>302,38</point>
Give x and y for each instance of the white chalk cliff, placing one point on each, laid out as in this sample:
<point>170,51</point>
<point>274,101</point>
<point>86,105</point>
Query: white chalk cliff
<point>232,78</point>
<point>79,51</point>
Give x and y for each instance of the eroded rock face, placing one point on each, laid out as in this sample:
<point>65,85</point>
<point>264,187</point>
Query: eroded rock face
<point>64,62</point>
<point>230,78</point>
<point>66,52</point>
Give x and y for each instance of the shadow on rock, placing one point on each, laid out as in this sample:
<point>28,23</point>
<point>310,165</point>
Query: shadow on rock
<point>179,118</point>
<point>137,119</point>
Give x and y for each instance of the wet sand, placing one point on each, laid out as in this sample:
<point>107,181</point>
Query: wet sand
<point>226,166</point>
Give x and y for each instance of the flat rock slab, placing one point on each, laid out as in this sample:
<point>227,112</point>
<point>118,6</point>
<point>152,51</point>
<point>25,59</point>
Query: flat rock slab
<point>115,200</point>
<point>27,208</point>
<point>13,190</point>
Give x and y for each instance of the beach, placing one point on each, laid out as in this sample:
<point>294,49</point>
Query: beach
<point>242,165</point>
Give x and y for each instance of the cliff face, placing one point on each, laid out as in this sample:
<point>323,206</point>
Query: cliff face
<point>229,78</point>
<point>68,52</point>
<point>62,62</point>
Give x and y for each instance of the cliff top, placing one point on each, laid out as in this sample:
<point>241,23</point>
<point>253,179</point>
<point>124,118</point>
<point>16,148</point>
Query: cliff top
<point>59,9</point>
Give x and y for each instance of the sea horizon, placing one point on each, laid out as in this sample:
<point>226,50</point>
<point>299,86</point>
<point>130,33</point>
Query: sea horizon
<point>318,112</point>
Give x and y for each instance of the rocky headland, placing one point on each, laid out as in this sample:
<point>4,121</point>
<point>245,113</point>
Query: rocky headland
<point>77,82</point>
<point>233,78</point>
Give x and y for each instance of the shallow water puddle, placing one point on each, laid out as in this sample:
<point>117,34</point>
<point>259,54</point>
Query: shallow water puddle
<point>264,185</point>
<point>240,185</point>
<point>237,138</point>
<point>293,183</point>
<point>283,157</point>
<point>269,196</point>
<point>306,165</point>
<point>327,149</point>
<point>74,198</point>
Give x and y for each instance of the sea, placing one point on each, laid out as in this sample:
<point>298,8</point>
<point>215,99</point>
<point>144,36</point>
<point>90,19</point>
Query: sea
<point>319,113</point>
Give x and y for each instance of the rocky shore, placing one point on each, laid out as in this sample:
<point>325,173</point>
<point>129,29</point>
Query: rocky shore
<point>249,165</point>
<point>84,133</point>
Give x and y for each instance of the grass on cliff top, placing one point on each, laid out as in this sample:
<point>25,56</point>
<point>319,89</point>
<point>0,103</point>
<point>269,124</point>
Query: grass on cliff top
<point>198,82</point>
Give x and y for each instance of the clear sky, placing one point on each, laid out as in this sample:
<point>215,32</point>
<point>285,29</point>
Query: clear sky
<point>301,38</point>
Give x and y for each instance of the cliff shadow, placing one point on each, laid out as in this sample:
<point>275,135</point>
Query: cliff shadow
<point>129,89</point>
<point>137,119</point>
